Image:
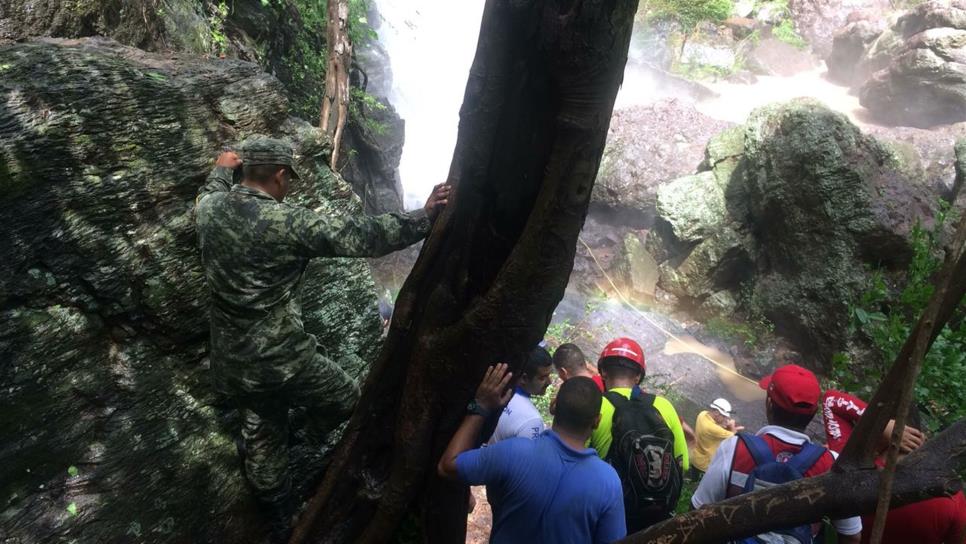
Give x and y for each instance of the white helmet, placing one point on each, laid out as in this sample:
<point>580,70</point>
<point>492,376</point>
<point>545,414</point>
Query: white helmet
<point>722,406</point>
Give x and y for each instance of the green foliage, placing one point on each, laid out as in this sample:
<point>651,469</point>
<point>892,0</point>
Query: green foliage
<point>359,30</point>
<point>785,31</point>
<point>687,13</point>
<point>687,491</point>
<point>219,40</point>
<point>558,333</point>
<point>543,402</point>
<point>361,104</point>
<point>733,331</point>
<point>886,316</point>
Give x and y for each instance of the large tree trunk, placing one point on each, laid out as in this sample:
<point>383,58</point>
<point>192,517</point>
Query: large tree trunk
<point>533,124</point>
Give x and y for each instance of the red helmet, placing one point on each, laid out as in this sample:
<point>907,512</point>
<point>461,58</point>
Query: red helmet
<point>626,348</point>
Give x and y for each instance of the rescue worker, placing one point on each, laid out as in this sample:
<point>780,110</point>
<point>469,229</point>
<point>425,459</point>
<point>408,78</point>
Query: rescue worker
<point>255,248</point>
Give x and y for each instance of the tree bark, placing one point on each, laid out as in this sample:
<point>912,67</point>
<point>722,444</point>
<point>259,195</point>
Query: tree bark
<point>335,105</point>
<point>533,124</point>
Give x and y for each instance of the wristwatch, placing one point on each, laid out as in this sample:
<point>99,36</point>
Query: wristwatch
<point>473,408</point>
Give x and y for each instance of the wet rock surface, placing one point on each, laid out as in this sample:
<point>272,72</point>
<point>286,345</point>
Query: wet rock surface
<point>103,321</point>
<point>646,146</point>
<point>785,215</point>
<point>819,20</point>
<point>913,73</point>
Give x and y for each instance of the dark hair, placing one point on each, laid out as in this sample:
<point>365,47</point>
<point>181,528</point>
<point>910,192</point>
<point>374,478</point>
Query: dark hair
<point>789,420</point>
<point>570,357</point>
<point>537,358</point>
<point>578,404</point>
<point>261,173</point>
<point>621,368</point>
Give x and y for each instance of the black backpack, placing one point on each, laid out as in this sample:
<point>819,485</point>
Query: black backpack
<point>642,453</point>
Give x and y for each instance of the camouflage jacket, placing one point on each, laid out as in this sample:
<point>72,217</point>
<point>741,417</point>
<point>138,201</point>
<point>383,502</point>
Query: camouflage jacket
<point>254,251</point>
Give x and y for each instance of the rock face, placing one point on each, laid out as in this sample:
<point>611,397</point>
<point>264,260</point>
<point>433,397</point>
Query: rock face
<point>646,146</point>
<point>913,73</point>
<point>284,37</point>
<point>375,135</point>
<point>925,82</point>
<point>848,47</point>
<point>103,322</point>
<point>819,20</point>
<point>785,214</point>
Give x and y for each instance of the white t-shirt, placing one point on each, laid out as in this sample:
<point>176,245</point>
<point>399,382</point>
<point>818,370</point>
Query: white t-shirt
<point>714,484</point>
<point>519,418</point>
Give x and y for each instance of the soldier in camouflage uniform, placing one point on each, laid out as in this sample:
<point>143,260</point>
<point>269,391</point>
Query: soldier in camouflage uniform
<point>255,248</point>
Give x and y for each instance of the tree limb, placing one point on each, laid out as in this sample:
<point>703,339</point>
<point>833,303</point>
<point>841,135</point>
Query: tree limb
<point>928,472</point>
<point>928,327</point>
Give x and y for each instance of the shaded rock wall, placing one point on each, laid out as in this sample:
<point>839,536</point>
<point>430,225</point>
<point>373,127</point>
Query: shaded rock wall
<point>285,37</point>
<point>103,322</point>
<point>786,214</point>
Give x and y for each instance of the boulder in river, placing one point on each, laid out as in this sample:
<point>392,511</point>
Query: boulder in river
<point>111,431</point>
<point>786,214</point>
<point>646,146</point>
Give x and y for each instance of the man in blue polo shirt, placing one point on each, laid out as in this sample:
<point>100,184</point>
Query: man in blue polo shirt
<point>549,489</point>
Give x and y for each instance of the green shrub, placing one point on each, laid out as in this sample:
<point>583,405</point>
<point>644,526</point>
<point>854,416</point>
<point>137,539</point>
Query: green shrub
<point>785,31</point>
<point>886,316</point>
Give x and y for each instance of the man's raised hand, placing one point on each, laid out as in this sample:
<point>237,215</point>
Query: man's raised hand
<point>437,199</point>
<point>493,393</point>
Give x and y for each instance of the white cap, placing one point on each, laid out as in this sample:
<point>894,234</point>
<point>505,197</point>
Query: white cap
<point>722,406</point>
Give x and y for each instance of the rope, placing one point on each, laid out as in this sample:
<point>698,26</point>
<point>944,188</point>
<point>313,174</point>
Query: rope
<point>644,316</point>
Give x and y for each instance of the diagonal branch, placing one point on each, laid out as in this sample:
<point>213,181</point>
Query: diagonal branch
<point>950,288</point>
<point>929,472</point>
<point>927,329</point>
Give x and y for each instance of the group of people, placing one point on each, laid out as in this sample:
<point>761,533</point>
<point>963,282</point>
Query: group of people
<point>614,458</point>
<point>612,461</point>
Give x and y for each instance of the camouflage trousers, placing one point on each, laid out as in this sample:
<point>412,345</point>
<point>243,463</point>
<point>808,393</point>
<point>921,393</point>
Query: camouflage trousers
<point>328,394</point>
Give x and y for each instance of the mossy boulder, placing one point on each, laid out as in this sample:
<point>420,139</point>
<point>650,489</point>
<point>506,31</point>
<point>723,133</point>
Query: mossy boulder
<point>788,217</point>
<point>103,304</point>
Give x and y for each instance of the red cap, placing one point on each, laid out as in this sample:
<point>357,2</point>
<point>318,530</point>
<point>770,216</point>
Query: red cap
<point>626,348</point>
<point>793,388</point>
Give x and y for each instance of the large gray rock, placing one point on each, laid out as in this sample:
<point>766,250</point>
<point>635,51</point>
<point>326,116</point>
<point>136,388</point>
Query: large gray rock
<point>925,85</point>
<point>914,72</point>
<point>819,20</point>
<point>374,136</point>
<point>646,146</point>
<point>786,214</point>
<point>848,49</point>
<point>103,322</point>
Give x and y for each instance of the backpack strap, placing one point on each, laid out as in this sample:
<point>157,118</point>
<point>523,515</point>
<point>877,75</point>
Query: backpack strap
<point>616,398</point>
<point>806,457</point>
<point>758,448</point>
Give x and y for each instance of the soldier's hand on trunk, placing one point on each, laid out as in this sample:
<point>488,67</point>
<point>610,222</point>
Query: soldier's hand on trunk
<point>437,199</point>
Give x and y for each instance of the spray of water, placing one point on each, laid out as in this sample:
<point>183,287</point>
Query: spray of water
<point>431,44</point>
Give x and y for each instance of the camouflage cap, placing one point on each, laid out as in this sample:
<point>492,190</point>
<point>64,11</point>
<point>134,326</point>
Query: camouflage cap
<point>261,150</point>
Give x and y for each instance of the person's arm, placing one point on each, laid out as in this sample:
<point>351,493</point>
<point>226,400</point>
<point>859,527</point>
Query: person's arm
<point>220,178</point>
<point>491,395</point>
<point>670,416</point>
<point>320,235</point>
<point>849,530</point>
